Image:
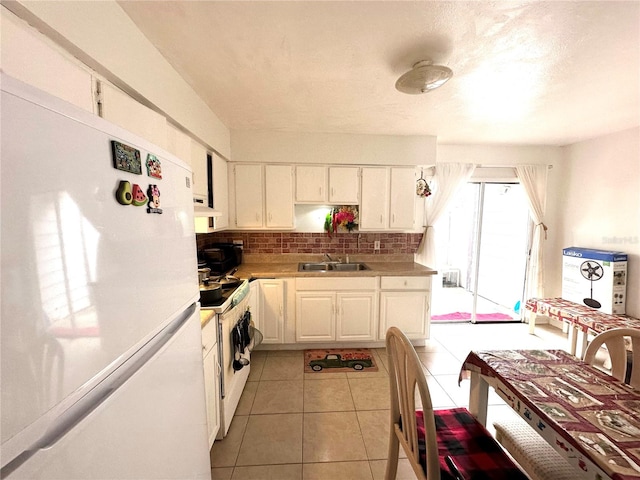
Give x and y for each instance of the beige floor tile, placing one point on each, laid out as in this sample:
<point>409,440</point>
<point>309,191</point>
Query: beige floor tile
<point>337,470</point>
<point>285,353</point>
<point>374,425</point>
<point>223,473</point>
<point>278,396</point>
<point>225,452</point>
<point>268,472</point>
<point>257,364</point>
<point>440,363</point>
<point>328,396</point>
<point>324,375</point>
<point>246,400</point>
<point>283,368</point>
<point>332,437</point>
<point>370,393</point>
<point>439,397</point>
<point>405,471</point>
<point>272,439</point>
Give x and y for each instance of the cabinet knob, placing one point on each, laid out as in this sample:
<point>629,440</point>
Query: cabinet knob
<point>380,218</point>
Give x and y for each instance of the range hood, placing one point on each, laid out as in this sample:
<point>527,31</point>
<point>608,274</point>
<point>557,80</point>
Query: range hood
<point>203,211</point>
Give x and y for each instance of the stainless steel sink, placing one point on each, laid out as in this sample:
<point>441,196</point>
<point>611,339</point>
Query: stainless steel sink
<point>349,267</point>
<point>315,267</point>
<point>331,267</point>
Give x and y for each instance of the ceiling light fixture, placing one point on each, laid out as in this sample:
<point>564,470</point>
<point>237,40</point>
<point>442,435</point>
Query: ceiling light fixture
<point>423,77</point>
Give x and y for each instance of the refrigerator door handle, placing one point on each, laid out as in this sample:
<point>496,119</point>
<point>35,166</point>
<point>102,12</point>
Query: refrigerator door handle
<point>93,399</point>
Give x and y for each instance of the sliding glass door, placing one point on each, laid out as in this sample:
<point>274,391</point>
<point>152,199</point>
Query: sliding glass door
<point>482,245</point>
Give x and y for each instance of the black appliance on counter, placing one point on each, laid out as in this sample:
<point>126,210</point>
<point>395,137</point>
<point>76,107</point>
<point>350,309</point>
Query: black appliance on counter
<point>220,258</point>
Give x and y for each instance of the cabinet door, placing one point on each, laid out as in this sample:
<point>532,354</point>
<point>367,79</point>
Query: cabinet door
<point>178,143</point>
<point>405,310</point>
<point>356,316</point>
<point>315,316</point>
<point>123,110</point>
<point>271,311</point>
<point>402,198</point>
<point>220,191</point>
<point>374,207</point>
<point>279,196</point>
<point>199,168</point>
<point>343,185</point>
<point>248,189</point>
<point>212,393</point>
<point>311,184</point>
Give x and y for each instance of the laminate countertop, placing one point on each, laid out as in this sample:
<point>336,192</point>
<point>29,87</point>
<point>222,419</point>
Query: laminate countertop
<point>290,269</point>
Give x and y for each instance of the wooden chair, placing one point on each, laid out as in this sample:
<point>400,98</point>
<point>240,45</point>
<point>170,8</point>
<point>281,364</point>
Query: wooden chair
<point>436,442</point>
<point>535,455</point>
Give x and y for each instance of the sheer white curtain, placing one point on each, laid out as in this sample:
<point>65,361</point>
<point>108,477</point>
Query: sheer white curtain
<point>534,180</point>
<point>449,177</point>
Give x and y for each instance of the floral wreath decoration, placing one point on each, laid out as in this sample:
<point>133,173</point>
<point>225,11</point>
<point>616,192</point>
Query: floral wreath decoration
<point>345,217</point>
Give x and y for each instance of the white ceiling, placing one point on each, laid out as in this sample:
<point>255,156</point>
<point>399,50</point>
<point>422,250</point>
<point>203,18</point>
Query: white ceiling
<point>528,72</point>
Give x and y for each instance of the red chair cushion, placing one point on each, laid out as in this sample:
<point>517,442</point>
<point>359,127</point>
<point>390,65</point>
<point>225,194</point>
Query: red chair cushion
<point>475,452</point>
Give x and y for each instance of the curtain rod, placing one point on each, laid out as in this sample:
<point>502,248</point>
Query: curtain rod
<point>478,165</point>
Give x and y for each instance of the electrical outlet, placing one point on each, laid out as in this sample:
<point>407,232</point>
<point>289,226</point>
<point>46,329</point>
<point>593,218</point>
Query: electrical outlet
<point>376,245</point>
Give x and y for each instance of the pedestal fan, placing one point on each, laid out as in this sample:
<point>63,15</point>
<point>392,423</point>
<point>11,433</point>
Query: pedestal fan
<point>593,272</point>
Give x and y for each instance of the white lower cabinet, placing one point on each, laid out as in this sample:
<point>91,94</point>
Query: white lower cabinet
<point>270,318</point>
<point>211,378</point>
<point>341,309</point>
<point>404,303</point>
<point>356,315</point>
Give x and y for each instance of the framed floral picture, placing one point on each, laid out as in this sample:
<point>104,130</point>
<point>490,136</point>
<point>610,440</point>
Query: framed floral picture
<point>126,158</point>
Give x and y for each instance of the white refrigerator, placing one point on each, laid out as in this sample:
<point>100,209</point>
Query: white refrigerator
<point>101,354</point>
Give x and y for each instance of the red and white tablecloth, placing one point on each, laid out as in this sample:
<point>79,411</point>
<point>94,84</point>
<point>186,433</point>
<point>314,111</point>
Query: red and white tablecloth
<point>588,416</point>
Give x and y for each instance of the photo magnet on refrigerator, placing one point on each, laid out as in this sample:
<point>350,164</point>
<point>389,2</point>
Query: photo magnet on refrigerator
<point>154,168</point>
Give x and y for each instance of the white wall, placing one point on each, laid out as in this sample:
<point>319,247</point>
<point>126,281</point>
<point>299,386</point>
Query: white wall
<point>270,146</point>
<point>600,202</point>
<point>102,36</point>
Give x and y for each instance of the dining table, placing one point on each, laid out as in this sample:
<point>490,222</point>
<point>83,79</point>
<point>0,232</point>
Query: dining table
<point>586,415</point>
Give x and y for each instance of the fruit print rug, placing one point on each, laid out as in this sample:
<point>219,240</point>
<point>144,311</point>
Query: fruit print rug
<point>339,360</point>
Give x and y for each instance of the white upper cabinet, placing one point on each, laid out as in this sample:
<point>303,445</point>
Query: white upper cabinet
<point>200,174</point>
<point>402,198</point>
<point>344,185</point>
<point>249,187</point>
<point>321,184</point>
<point>388,198</point>
<point>311,184</point>
<point>374,208</point>
<point>121,109</point>
<point>278,196</point>
<point>263,196</point>
<point>220,191</point>
<point>179,143</point>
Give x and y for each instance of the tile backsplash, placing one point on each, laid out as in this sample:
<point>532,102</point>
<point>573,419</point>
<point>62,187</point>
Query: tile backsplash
<point>298,243</point>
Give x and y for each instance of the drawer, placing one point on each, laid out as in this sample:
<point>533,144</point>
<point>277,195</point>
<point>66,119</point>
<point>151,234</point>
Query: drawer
<point>336,284</point>
<point>405,283</point>
<point>209,336</point>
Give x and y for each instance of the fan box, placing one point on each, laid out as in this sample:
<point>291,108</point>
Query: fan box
<point>595,278</point>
